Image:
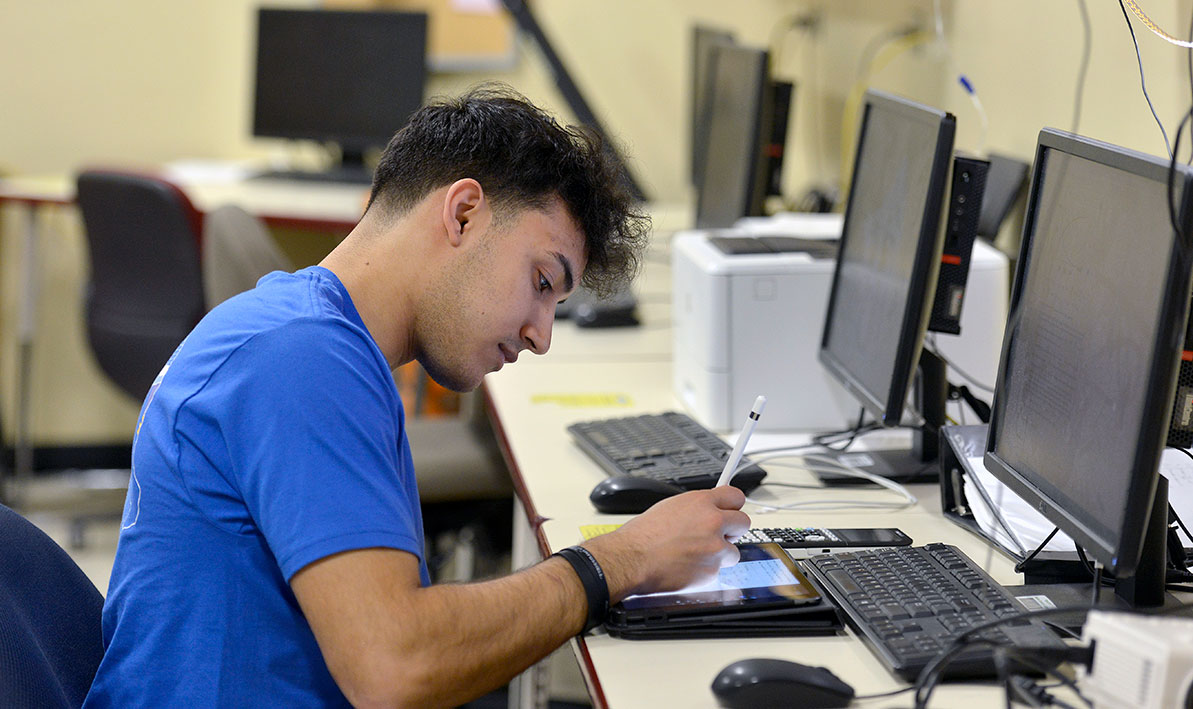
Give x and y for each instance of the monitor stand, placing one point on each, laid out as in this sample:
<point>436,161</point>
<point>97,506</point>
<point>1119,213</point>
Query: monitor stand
<point>1145,589</point>
<point>920,462</point>
<point>351,170</point>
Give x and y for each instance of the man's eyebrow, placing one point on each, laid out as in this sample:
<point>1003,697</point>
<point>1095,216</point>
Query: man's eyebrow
<point>568,281</point>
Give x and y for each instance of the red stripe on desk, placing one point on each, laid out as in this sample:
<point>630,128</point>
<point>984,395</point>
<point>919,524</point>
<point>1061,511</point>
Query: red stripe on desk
<point>595,690</point>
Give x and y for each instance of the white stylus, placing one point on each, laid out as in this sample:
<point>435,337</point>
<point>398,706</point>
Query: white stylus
<point>742,440</point>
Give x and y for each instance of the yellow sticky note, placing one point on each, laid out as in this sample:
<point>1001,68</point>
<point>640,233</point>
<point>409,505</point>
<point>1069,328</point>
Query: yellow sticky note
<point>584,401</point>
<point>588,531</point>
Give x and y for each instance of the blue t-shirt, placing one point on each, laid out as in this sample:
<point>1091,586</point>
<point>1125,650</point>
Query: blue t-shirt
<point>274,437</point>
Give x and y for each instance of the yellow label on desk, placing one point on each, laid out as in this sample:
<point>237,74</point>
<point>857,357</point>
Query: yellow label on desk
<point>588,531</point>
<point>583,401</point>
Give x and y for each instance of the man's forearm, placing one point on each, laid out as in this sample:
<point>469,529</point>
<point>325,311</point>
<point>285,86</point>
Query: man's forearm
<point>486,633</point>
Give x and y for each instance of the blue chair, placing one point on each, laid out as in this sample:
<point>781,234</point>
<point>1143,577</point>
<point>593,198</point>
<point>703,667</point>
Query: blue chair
<point>51,640</point>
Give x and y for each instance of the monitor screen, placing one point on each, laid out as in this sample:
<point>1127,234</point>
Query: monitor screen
<point>349,77</point>
<point>703,39</point>
<point>890,250</point>
<point>739,106</point>
<point>1092,343</point>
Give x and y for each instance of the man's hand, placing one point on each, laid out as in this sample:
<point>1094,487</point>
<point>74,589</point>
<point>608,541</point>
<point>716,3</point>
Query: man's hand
<point>679,541</point>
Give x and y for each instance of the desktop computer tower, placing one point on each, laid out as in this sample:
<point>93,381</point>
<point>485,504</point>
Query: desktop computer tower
<point>961,229</point>
<point>775,146</point>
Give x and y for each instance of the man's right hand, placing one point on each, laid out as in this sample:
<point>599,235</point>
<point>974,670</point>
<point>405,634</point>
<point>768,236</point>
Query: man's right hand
<point>679,541</point>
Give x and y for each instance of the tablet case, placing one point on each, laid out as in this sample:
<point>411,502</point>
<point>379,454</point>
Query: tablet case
<point>812,619</point>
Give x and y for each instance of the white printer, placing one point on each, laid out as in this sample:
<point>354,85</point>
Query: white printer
<point>750,324</point>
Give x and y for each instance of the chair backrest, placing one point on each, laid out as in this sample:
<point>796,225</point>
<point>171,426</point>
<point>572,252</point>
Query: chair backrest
<point>237,251</point>
<point>51,638</point>
<point>146,290</point>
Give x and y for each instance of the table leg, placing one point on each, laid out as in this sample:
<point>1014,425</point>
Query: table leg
<point>529,689</point>
<point>23,447</point>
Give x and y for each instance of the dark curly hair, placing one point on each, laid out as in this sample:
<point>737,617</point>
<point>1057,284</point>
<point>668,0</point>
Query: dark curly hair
<point>522,158</point>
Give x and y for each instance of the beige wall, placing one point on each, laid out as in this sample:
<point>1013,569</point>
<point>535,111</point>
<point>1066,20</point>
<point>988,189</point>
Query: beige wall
<point>145,81</point>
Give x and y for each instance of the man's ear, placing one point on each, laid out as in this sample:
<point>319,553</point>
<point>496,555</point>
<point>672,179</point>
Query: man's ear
<point>464,209</point>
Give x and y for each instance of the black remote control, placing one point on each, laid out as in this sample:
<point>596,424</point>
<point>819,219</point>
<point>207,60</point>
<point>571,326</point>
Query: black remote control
<point>804,542</point>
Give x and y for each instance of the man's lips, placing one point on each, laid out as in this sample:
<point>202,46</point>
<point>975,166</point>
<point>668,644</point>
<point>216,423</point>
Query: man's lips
<point>510,355</point>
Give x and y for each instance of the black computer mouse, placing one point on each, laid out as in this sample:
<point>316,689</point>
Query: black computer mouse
<point>625,494</point>
<point>761,682</point>
<point>604,315</point>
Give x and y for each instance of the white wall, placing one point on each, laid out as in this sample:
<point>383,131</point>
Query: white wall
<point>141,82</point>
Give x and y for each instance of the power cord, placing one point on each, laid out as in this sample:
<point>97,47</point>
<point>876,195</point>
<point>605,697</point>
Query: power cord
<point>826,464</point>
<point>1023,564</point>
<point>1142,82</point>
<point>1081,74</point>
<point>931,675</point>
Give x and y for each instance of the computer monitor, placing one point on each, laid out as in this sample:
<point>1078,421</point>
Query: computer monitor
<point>1093,341</point>
<point>885,276</point>
<point>1005,183</point>
<point>739,108</point>
<point>702,41</point>
<point>346,77</point>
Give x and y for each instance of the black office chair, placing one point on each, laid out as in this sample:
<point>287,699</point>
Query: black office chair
<point>145,291</point>
<point>51,640</point>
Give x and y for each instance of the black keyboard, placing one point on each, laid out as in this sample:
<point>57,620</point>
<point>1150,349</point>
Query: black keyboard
<point>668,446</point>
<point>344,175</point>
<point>909,602</point>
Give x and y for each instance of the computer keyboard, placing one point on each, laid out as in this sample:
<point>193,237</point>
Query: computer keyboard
<point>669,446</point>
<point>909,602</point>
<point>348,175</point>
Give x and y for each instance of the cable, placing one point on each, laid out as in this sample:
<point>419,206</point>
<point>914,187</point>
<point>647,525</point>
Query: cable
<point>1142,83</point>
<point>854,98</point>
<point>1085,52</point>
<point>930,342</point>
<point>931,675</point>
<point>1172,209</point>
<point>1151,25</point>
<point>1189,61</point>
<point>1020,566</point>
<point>834,466</point>
<point>804,22</point>
<point>883,695</point>
<point>966,84</point>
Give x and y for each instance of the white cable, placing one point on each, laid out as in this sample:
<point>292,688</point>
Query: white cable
<point>1151,25</point>
<point>931,346</point>
<point>834,466</point>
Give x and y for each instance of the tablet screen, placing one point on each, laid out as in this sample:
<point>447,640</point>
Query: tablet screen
<point>765,575</point>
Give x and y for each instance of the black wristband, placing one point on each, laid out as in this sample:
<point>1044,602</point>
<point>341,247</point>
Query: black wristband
<point>596,588</point>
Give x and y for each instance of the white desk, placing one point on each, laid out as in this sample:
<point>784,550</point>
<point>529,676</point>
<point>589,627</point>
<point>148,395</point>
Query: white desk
<point>535,401</point>
<point>599,374</point>
<point>316,205</point>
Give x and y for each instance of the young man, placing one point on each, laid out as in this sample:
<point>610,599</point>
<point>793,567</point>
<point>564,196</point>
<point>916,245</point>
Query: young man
<point>271,552</point>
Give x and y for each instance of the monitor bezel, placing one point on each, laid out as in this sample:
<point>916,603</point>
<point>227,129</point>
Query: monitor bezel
<point>702,40</point>
<point>887,407</point>
<point>349,141</point>
<point>1120,555</point>
<point>754,190</point>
